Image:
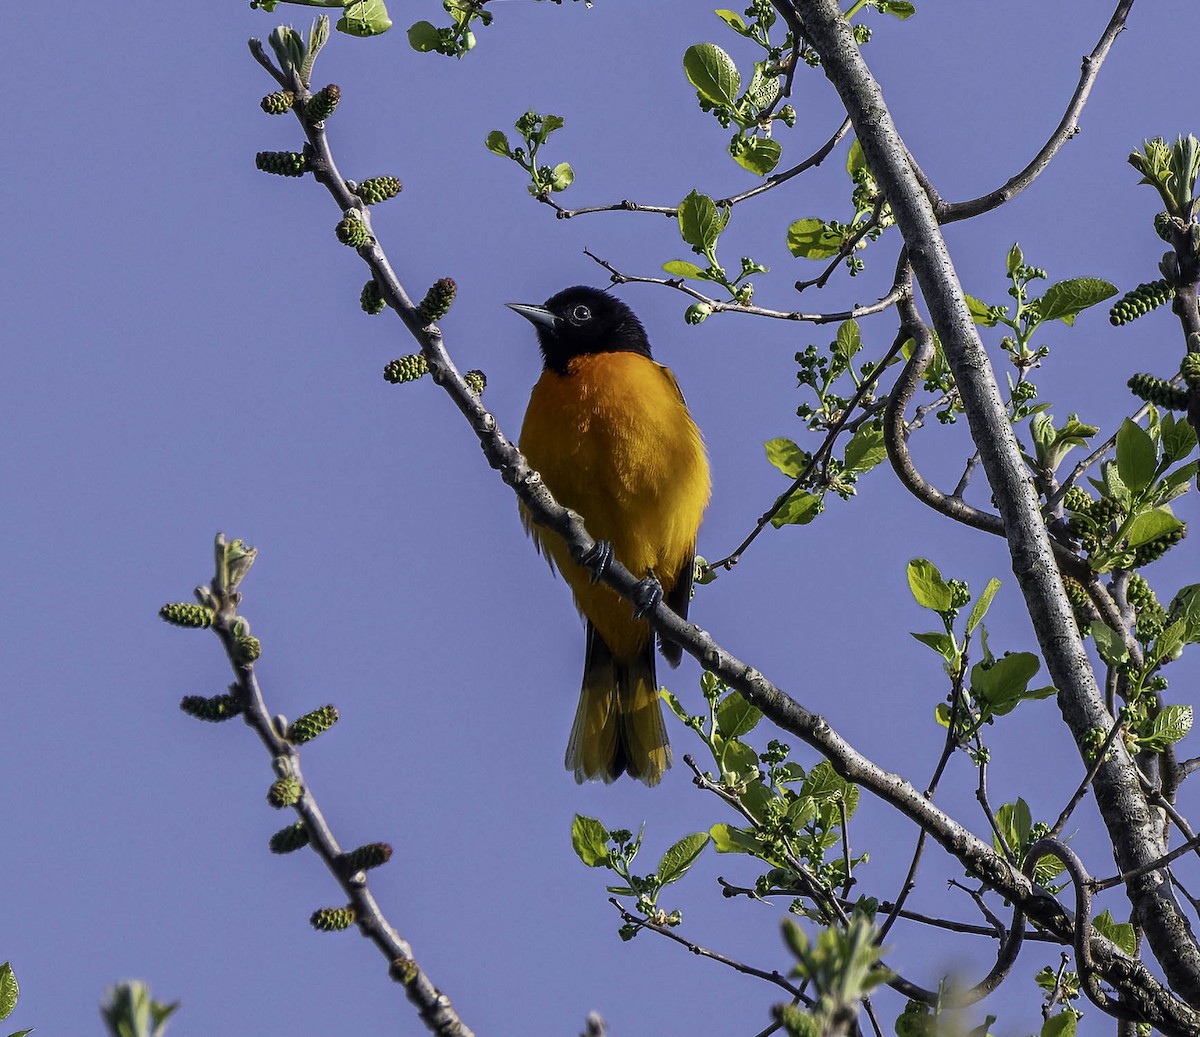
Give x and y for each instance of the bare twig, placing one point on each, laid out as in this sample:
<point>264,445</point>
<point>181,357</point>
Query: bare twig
<point>724,306</point>
<point>1068,126</point>
<point>738,966</point>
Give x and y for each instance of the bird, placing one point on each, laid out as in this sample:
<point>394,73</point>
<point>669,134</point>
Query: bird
<point>609,431</point>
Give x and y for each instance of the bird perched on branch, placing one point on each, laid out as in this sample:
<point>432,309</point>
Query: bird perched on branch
<point>609,431</point>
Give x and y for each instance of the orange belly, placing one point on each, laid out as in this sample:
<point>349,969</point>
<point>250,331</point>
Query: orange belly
<point>613,440</point>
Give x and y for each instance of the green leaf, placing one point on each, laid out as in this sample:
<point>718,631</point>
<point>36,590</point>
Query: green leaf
<point>928,587</point>
<point>899,8</point>
<point>785,455</point>
<point>1178,438</point>
<point>562,177</point>
<point>1119,933</point>
<point>943,644</point>
<point>496,142</point>
<point>1067,299</point>
<point>1171,725</point>
<point>365,18</point>
<point>682,268</point>
<point>763,88</point>
<point>811,239</point>
<point>549,123</point>
<point>982,604</point>
<point>1015,821</point>
<point>1062,1025</point>
<point>1136,457</point>
<point>1015,258</point>
<point>8,990</point>
<point>733,20</point>
<point>21,1033</point>
<point>855,160</point>
<point>1150,525</point>
<point>1185,606</point>
<point>1109,644</point>
<point>865,450</point>
<point>735,716</point>
<point>676,861</point>
<point>1179,481</point>
<point>713,73</point>
<point>759,155</point>
<point>727,839</point>
<point>675,706</point>
<point>825,785</point>
<point>848,341</point>
<point>1168,646</point>
<point>800,510</point>
<point>1004,683</point>
<point>589,839</point>
<point>980,312</point>
<point>422,36</point>
<point>700,221</point>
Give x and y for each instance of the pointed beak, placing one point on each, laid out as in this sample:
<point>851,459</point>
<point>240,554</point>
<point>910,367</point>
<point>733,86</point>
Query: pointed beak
<point>539,316</point>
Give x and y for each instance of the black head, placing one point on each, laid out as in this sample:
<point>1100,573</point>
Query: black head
<point>583,320</point>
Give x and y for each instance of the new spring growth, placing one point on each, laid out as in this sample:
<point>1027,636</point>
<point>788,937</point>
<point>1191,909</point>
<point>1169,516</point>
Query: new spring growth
<point>285,792</point>
<point>405,369</point>
<point>185,614</point>
<point>1189,367</point>
<point>333,919</point>
<point>289,838</point>
<point>372,855</point>
<point>1141,300</point>
<point>233,558</point>
<point>476,381</point>
<point>1159,391</point>
<point>321,105</point>
<point>352,231</point>
<point>436,303</point>
<point>378,189</point>
<point>282,163</point>
<point>371,300</point>
<point>278,103</point>
<point>214,710</point>
<point>306,728</point>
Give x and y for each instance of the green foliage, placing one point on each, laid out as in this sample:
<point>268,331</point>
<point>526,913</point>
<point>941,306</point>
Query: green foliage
<point>993,686</point>
<point>597,847</point>
<point>1172,171</point>
<point>752,111</point>
<point>534,130</point>
<point>701,222</point>
<point>9,992</point>
<point>1120,933</point>
<point>841,967</point>
<point>1132,524</point>
<point>130,1011</point>
<point>814,238</point>
<point>454,40</point>
<point>1019,831</point>
<point>791,818</point>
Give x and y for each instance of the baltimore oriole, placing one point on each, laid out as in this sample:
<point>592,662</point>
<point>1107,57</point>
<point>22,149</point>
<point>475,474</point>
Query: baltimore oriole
<point>609,431</point>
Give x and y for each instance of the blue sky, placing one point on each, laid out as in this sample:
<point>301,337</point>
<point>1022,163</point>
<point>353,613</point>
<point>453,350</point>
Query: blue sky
<point>185,354</point>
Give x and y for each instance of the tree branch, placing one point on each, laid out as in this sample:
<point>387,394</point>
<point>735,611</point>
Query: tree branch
<point>1126,813</point>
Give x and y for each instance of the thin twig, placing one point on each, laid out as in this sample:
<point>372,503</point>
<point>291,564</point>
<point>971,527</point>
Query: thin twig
<point>738,966</point>
<point>1068,126</point>
<point>722,306</point>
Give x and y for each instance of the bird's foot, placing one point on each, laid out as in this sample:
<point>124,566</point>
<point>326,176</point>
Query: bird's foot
<point>647,596</point>
<point>598,559</point>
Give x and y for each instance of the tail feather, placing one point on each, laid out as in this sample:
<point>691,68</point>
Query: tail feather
<point>619,724</point>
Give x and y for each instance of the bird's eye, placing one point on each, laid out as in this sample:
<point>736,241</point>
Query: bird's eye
<point>580,314</point>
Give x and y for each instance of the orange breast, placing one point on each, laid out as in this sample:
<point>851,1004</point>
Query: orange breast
<point>613,441</point>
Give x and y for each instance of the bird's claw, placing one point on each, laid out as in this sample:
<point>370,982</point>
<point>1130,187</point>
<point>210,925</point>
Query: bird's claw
<point>597,559</point>
<point>647,596</point>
